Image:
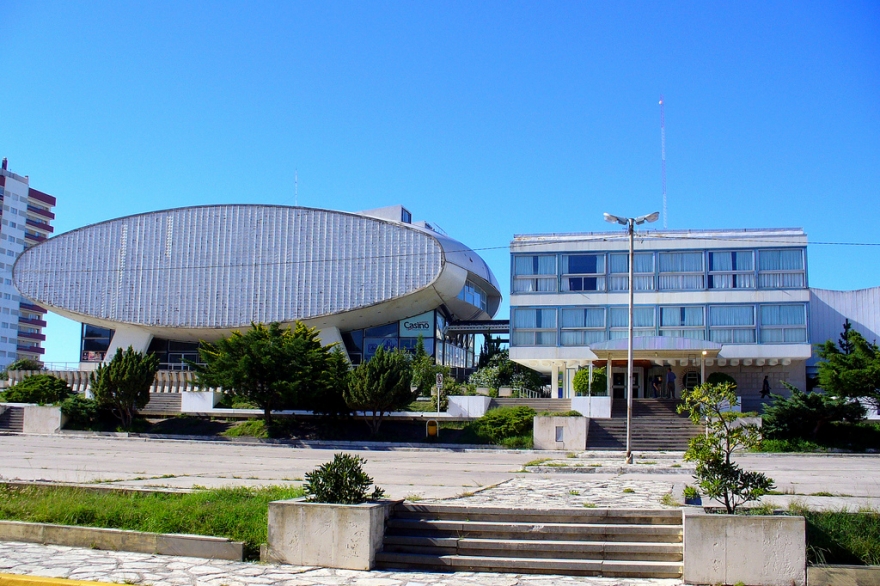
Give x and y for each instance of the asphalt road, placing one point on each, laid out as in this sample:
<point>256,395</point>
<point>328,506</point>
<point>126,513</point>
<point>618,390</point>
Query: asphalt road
<point>428,473</point>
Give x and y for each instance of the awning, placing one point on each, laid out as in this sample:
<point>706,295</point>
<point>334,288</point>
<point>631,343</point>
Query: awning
<point>657,347</point>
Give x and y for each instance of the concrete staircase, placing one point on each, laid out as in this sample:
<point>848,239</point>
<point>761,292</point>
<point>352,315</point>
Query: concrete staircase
<point>655,427</point>
<point>12,420</point>
<point>163,404</point>
<point>539,405</point>
<point>581,542</point>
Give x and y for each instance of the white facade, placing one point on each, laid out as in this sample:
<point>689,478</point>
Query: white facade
<point>25,221</point>
<point>733,301</point>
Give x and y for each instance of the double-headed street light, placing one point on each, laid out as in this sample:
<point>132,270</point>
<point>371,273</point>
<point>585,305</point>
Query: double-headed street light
<point>630,223</point>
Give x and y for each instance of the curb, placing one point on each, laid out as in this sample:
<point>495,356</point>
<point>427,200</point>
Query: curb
<point>22,580</point>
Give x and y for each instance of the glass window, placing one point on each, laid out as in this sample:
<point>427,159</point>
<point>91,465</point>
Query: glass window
<point>732,270</point>
<point>682,322</point>
<point>643,271</point>
<point>583,272</point>
<point>534,273</point>
<point>386,331</point>
<point>474,295</point>
<point>582,326</point>
<point>781,269</point>
<point>732,324</point>
<point>534,327</point>
<point>681,271</point>
<point>783,324</point>
<point>643,322</point>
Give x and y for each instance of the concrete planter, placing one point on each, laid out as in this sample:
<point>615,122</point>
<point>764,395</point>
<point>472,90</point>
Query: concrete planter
<point>759,550</point>
<point>326,535</point>
<point>561,433</point>
<point>592,407</point>
<point>199,401</point>
<point>468,406</point>
<point>40,419</point>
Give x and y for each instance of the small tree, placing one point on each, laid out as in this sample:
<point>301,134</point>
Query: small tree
<point>331,401</point>
<point>380,385</point>
<point>123,384</point>
<point>851,368</point>
<point>43,389</point>
<point>424,371</point>
<point>269,366</point>
<point>583,386</point>
<point>342,481</point>
<point>716,474</point>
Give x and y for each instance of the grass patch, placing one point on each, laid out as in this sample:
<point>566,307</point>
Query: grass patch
<point>574,492</point>
<point>420,407</point>
<point>571,413</point>
<point>537,462</point>
<point>628,491</point>
<point>238,513</point>
<point>821,493</point>
<point>589,505</point>
<point>249,428</point>
<point>841,537</point>
<point>789,445</point>
<point>668,500</point>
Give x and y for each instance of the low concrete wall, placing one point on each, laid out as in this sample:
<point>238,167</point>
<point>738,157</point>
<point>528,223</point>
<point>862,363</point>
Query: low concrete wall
<point>844,575</point>
<point>759,550</point>
<point>464,406</point>
<point>326,535</point>
<point>39,419</point>
<point>592,407</point>
<point>571,430</point>
<point>199,401</point>
<point>198,546</point>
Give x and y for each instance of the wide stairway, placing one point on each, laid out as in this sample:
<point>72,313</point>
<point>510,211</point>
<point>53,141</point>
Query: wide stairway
<point>12,420</point>
<point>539,405</point>
<point>629,543</point>
<point>655,427</point>
<point>163,404</point>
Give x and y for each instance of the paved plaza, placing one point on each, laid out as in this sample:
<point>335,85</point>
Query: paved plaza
<point>136,568</point>
<point>509,478</point>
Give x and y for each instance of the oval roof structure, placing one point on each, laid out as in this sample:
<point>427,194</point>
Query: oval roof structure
<point>225,266</point>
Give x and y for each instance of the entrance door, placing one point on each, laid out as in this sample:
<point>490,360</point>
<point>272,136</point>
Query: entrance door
<point>618,383</point>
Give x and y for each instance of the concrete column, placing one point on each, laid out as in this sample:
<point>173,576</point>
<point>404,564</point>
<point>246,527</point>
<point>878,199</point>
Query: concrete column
<point>554,380</point>
<point>608,377</point>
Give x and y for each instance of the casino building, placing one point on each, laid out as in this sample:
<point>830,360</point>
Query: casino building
<point>162,281</point>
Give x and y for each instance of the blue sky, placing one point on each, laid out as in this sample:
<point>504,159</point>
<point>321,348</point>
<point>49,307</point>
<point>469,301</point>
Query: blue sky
<point>490,119</point>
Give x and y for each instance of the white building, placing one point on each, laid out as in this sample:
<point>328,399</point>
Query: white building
<point>25,222</point>
<point>732,301</point>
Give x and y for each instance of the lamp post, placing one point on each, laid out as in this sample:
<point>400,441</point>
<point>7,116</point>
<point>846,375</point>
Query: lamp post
<point>630,223</point>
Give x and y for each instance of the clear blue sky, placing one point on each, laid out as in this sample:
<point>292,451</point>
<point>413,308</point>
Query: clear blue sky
<point>488,118</point>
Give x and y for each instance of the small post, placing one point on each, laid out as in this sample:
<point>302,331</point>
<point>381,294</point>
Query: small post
<point>439,389</point>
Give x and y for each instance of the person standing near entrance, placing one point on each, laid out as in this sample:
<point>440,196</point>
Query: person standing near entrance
<point>670,384</point>
<point>657,386</point>
<point>765,388</point>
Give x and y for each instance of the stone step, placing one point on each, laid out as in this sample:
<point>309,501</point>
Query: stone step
<point>437,511</point>
<point>539,405</point>
<point>574,567</point>
<point>535,548</point>
<point>163,404</point>
<point>549,531</point>
<point>12,420</point>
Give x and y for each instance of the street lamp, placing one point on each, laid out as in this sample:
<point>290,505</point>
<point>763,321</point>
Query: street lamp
<point>630,223</point>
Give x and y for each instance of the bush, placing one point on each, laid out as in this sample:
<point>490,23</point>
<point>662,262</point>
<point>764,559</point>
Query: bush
<point>716,378</point>
<point>123,384</point>
<point>583,386</point>
<point>43,389</point>
<point>571,413</point>
<point>82,413</point>
<point>341,481</point>
<point>505,422</point>
<point>805,415</point>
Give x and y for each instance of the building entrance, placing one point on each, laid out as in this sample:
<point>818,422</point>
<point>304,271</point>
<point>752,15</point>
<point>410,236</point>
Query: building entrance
<point>618,383</point>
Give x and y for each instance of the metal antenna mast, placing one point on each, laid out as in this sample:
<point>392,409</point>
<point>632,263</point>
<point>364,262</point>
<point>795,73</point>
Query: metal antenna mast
<point>296,189</point>
<point>663,157</point>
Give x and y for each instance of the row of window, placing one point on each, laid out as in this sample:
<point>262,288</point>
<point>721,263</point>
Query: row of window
<point>475,295</point>
<point>725,324</point>
<point>660,271</point>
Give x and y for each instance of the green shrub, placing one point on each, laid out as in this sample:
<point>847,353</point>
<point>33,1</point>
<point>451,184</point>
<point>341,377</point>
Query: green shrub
<point>717,378</point>
<point>505,422</point>
<point>43,389</point>
<point>342,481</point>
<point>806,415</point>
<point>691,493</point>
<point>82,413</point>
<point>583,386</point>
<point>251,428</point>
<point>571,413</point>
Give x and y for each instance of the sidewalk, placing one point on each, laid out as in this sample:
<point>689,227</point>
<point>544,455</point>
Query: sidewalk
<point>56,561</point>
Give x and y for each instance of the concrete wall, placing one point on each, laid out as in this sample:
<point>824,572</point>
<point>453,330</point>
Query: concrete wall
<point>121,540</point>
<point>592,407</point>
<point>760,550</point>
<point>572,429</point>
<point>465,406</point>
<point>199,401</point>
<point>326,535</point>
<point>38,419</point>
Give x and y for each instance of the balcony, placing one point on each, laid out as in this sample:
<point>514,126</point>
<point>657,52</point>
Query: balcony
<point>40,225</point>
<point>31,335</point>
<point>40,196</point>
<point>41,212</point>
<point>32,236</point>
<point>31,350</point>
<point>37,323</point>
<point>31,307</point>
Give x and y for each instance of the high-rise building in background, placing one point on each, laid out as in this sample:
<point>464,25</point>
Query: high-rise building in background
<point>24,221</point>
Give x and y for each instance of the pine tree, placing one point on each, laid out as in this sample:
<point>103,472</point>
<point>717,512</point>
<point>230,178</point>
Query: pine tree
<point>124,383</point>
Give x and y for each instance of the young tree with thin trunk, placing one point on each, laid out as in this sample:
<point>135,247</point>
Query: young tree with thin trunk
<point>381,385</point>
<point>124,383</point>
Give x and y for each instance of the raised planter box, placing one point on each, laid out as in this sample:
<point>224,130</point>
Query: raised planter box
<point>592,407</point>
<point>759,550</point>
<point>468,406</point>
<point>326,535</point>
